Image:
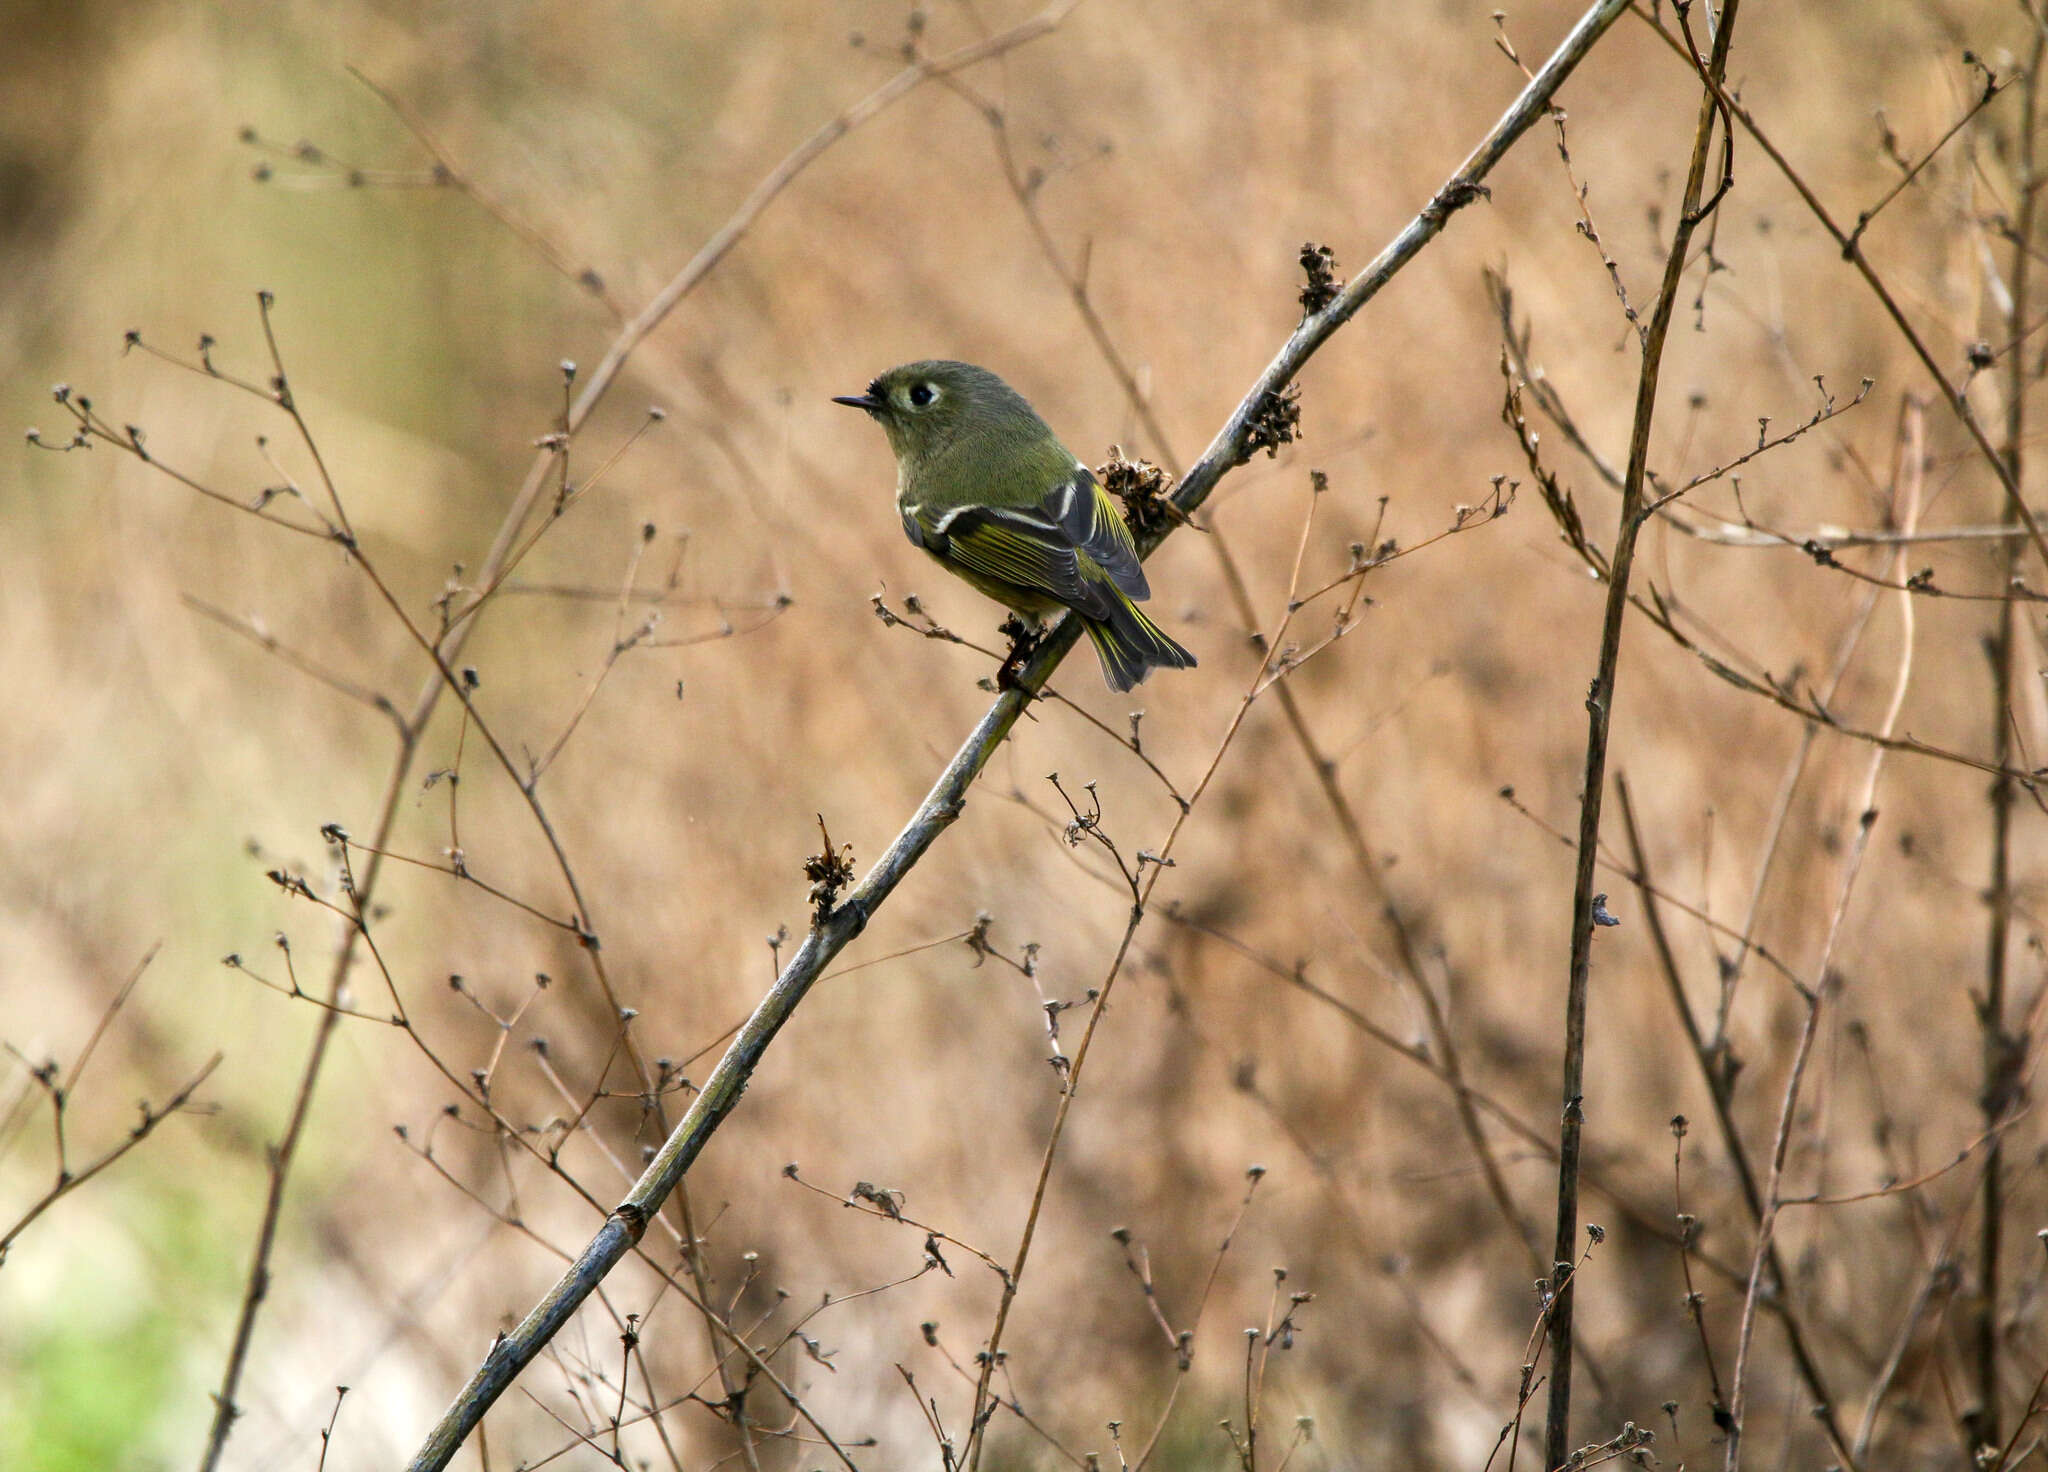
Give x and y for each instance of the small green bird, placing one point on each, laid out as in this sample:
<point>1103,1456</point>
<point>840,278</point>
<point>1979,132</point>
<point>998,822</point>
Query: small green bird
<point>986,487</point>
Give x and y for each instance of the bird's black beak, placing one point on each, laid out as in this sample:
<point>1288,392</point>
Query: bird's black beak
<point>868,403</point>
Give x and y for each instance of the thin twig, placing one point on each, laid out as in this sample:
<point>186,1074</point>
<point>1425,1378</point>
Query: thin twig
<point>1983,100</point>
<point>69,1180</point>
<point>448,174</point>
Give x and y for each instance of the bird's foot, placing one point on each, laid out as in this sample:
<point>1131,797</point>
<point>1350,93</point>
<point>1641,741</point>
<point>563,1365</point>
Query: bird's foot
<point>1024,639</point>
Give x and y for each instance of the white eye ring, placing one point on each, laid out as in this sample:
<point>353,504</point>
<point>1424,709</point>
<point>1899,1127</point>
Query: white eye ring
<point>921,394</point>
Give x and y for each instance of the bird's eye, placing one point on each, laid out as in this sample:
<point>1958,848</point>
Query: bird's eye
<point>922,394</point>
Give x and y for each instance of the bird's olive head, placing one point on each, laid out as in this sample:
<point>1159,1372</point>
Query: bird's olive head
<point>924,407</point>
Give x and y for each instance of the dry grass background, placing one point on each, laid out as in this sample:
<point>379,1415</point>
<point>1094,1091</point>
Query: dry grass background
<point>157,764</point>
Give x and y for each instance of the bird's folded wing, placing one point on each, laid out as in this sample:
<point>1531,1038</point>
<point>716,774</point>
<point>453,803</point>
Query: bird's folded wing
<point>1068,547</point>
<point>1096,528</point>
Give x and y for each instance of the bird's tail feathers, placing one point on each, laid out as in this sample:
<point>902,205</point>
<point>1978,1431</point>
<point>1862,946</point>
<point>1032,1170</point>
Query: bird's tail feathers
<point>1131,646</point>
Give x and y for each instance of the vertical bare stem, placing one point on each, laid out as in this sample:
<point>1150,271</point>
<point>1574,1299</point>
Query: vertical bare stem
<point>1600,708</point>
<point>2000,1054</point>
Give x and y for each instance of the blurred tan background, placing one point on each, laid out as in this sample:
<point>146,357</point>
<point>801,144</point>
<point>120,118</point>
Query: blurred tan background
<point>157,763</point>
